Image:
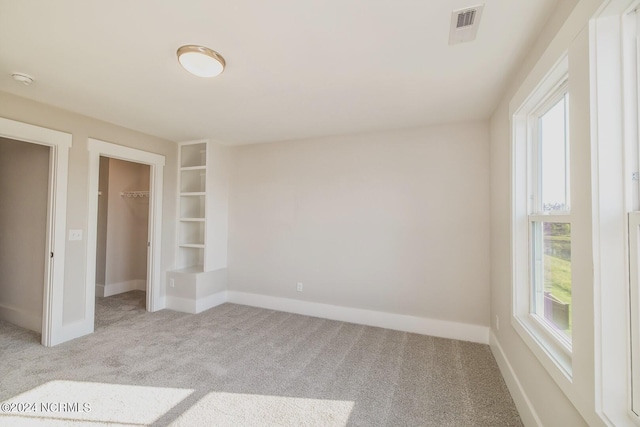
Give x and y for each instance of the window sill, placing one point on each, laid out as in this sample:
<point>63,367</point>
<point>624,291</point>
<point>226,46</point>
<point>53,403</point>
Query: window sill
<point>551,352</point>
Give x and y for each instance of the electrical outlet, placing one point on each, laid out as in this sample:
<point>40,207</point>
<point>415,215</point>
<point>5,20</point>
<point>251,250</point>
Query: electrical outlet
<point>299,287</point>
<point>172,283</point>
<point>497,322</point>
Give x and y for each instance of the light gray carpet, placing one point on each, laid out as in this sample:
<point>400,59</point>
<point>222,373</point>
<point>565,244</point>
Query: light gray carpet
<point>252,366</point>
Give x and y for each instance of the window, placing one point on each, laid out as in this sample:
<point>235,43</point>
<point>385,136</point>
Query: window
<point>542,223</point>
<point>549,217</point>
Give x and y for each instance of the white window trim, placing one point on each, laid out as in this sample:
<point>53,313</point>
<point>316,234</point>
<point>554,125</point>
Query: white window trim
<point>634,253</point>
<point>632,109</point>
<point>614,106</point>
<point>550,349</point>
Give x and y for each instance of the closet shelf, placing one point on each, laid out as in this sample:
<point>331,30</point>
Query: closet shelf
<point>193,168</point>
<point>195,193</point>
<point>192,219</point>
<point>134,194</point>
<point>192,245</point>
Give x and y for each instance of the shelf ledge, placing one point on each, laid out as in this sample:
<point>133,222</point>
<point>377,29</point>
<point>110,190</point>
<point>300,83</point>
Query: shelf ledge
<point>193,168</point>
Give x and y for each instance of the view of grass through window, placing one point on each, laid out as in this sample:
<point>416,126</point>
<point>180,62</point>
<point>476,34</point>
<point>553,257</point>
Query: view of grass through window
<point>557,275</point>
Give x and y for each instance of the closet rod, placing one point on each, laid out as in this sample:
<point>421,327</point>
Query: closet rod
<point>134,194</point>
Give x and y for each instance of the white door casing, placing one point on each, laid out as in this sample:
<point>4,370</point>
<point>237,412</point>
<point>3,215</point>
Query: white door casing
<point>156,163</point>
<point>53,329</point>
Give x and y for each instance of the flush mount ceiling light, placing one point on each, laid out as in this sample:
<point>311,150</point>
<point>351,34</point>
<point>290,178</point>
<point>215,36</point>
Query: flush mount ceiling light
<point>201,61</point>
<point>22,78</point>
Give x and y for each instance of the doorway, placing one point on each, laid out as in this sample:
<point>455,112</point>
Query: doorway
<point>122,239</point>
<point>54,331</point>
<point>24,254</point>
<point>155,163</point>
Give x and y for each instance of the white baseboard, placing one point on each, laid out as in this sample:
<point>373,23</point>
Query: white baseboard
<point>189,305</point>
<point>527,412</point>
<point>70,331</point>
<point>400,322</point>
<point>211,301</point>
<point>184,305</point>
<point>120,287</point>
<point>22,318</point>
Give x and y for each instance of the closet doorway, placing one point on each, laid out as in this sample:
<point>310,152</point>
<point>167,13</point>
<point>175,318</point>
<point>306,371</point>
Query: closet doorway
<point>122,239</point>
<point>24,227</point>
<point>58,145</point>
<point>150,202</point>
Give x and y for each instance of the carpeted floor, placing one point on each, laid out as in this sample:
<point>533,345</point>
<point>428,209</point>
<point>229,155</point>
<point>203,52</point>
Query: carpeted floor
<point>237,365</point>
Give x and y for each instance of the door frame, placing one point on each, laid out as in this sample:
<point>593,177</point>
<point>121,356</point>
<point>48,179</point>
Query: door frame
<point>156,163</point>
<point>59,144</point>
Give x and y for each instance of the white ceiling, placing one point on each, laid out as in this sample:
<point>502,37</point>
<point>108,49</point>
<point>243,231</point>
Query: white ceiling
<point>295,68</point>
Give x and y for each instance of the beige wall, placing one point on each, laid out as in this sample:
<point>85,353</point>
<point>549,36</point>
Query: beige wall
<point>24,183</point>
<point>82,127</point>
<point>395,222</point>
<point>127,223</point>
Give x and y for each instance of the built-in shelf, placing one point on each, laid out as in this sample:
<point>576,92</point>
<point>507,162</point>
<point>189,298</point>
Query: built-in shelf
<point>190,270</point>
<point>192,196</point>
<point>193,154</point>
<point>192,245</point>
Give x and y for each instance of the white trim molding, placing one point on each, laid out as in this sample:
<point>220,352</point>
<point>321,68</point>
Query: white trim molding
<point>193,306</point>
<point>20,317</point>
<point>398,322</point>
<point>53,329</point>
<point>525,408</point>
<point>110,289</point>
<point>614,153</point>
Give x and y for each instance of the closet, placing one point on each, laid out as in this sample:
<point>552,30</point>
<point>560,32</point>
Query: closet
<point>24,194</point>
<point>123,218</point>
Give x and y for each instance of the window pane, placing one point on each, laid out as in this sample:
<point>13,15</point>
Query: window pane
<point>552,274</point>
<point>554,170</point>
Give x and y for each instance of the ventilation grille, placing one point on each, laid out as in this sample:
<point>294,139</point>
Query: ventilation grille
<point>466,18</point>
<point>464,24</point>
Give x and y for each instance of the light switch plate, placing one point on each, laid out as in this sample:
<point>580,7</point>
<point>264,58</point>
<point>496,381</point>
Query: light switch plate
<point>75,234</point>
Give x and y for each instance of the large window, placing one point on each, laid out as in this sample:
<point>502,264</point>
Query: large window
<point>542,223</point>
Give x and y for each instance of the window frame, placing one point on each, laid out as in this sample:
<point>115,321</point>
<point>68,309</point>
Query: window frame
<point>615,143</point>
<point>632,21</point>
<point>537,214</point>
<point>550,346</point>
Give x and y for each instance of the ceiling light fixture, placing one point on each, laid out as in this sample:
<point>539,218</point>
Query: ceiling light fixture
<point>201,61</point>
<point>22,78</point>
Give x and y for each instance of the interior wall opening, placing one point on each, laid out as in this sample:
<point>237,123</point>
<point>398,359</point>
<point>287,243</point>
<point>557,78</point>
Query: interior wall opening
<point>24,254</point>
<point>122,240</point>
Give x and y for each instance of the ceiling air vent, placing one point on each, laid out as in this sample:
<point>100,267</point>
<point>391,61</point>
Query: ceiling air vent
<point>464,24</point>
<point>466,18</point>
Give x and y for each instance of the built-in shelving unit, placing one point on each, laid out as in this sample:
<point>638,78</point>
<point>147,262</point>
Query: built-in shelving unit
<point>192,182</point>
<point>199,280</point>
